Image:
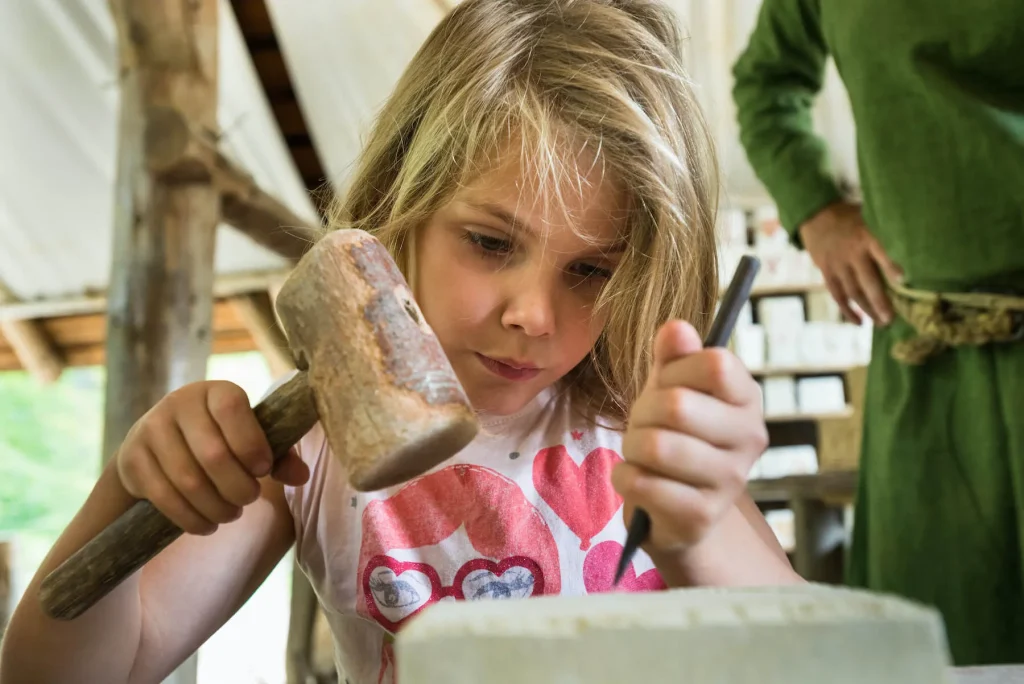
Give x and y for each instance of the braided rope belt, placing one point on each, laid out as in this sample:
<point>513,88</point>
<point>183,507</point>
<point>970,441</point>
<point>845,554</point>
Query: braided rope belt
<point>944,320</point>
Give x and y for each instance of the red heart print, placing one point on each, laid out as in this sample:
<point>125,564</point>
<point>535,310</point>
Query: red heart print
<point>599,572</point>
<point>395,590</point>
<point>582,496</point>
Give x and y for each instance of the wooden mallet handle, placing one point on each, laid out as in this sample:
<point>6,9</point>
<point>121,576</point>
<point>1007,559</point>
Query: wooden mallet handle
<point>142,532</point>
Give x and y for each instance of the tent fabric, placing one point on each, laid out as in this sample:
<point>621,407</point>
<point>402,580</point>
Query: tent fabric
<point>58,118</point>
<point>346,56</point>
<point>58,144</point>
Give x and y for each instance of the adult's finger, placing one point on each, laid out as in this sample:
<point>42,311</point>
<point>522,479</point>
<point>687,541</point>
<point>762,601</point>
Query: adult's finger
<point>851,284</point>
<point>890,269</point>
<point>838,292</point>
<point>869,281</point>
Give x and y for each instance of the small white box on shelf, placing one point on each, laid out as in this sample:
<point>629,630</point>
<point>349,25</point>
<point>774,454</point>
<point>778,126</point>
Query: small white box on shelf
<point>749,346</point>
<point>830,344</point>
<point>824,394</point>
<point>799,459</point>
<point>780,395</point>
<point>746,315</point>
<point>768,232</point>
<point>863,341</point>
<point>847,337</point>
<point>814,351</point>
<point>780,312</point>
<point>773,268</point>
<point>783,346</point>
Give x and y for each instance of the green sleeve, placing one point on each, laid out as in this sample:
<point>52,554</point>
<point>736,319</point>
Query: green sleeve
<point>776,80</point>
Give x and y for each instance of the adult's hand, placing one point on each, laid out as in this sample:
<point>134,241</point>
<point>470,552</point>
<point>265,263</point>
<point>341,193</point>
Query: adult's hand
<point>851,260</point>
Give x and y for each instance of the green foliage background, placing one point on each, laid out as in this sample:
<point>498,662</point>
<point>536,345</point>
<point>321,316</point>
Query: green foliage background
<point>50,441</point>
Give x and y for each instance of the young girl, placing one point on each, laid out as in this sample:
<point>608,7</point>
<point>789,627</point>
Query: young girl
<point>543,177</point>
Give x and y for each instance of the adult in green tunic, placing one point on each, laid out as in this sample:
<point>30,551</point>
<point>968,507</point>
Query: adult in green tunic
<point>937,93</point>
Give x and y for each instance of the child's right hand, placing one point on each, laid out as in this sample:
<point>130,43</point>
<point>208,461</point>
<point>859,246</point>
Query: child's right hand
<point>197,454</point>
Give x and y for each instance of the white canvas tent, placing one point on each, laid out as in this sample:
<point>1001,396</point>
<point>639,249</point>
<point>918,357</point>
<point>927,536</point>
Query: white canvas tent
<point>59,113</point>
<point>59,118</point>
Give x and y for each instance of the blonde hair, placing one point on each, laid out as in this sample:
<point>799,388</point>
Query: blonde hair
<point>604,72</point>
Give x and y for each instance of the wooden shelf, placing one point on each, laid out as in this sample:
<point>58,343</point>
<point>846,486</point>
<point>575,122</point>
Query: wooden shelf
<point>782,289</point>
<point>835,369</point>
<point>809,417</point>
<point>786,289</point>
<point>827,485</point>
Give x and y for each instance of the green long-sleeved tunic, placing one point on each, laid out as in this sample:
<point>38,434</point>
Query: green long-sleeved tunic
<point>937,90</point>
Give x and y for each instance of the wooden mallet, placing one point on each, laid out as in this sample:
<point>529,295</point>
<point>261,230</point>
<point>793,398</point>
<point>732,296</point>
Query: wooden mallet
<point>370,370</point>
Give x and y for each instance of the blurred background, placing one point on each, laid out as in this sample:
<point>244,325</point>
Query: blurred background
<point>298,83</point>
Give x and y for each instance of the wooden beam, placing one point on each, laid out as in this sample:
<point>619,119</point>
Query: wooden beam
<point>229,285</point>
<point>181,153</point>
<point>257,214</point>
<point>33,347</point>
<point>257,313</point>
<point>81,340</point>
<point>160,292</point>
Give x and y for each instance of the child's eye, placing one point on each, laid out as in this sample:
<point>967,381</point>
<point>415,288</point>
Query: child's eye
<point>591,272</point>
<point>488,244</point>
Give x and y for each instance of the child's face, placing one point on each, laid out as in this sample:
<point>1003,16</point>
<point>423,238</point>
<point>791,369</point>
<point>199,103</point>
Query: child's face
<point>509,287</point>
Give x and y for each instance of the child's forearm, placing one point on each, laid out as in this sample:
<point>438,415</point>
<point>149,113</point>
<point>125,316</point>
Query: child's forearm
<point>101,644</point>
<point>734,555</point>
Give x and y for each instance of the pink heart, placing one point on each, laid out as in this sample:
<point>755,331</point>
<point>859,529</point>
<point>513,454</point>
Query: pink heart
<point>582,496</point>
<point>599,572</point>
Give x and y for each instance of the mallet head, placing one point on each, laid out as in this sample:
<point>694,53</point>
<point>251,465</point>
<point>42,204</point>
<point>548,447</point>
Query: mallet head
<point>388,399</point>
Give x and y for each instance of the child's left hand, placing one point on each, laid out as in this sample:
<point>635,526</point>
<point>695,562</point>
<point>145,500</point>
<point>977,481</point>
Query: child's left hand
<point>693,435</point>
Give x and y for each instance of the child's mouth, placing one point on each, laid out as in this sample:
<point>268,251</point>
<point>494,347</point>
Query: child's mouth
<point>508,369</point>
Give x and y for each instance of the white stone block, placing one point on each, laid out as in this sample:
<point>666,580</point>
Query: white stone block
<point>801,634</point>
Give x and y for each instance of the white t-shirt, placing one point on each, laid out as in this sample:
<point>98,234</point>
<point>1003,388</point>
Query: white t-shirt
<point>526,509</point>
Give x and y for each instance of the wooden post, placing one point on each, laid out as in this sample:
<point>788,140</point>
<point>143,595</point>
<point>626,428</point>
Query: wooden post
<point>166,212</point>
<point>6,580</point>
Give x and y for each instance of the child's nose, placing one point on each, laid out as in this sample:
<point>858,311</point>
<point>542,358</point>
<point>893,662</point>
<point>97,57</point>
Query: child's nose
<point>530,307</point>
